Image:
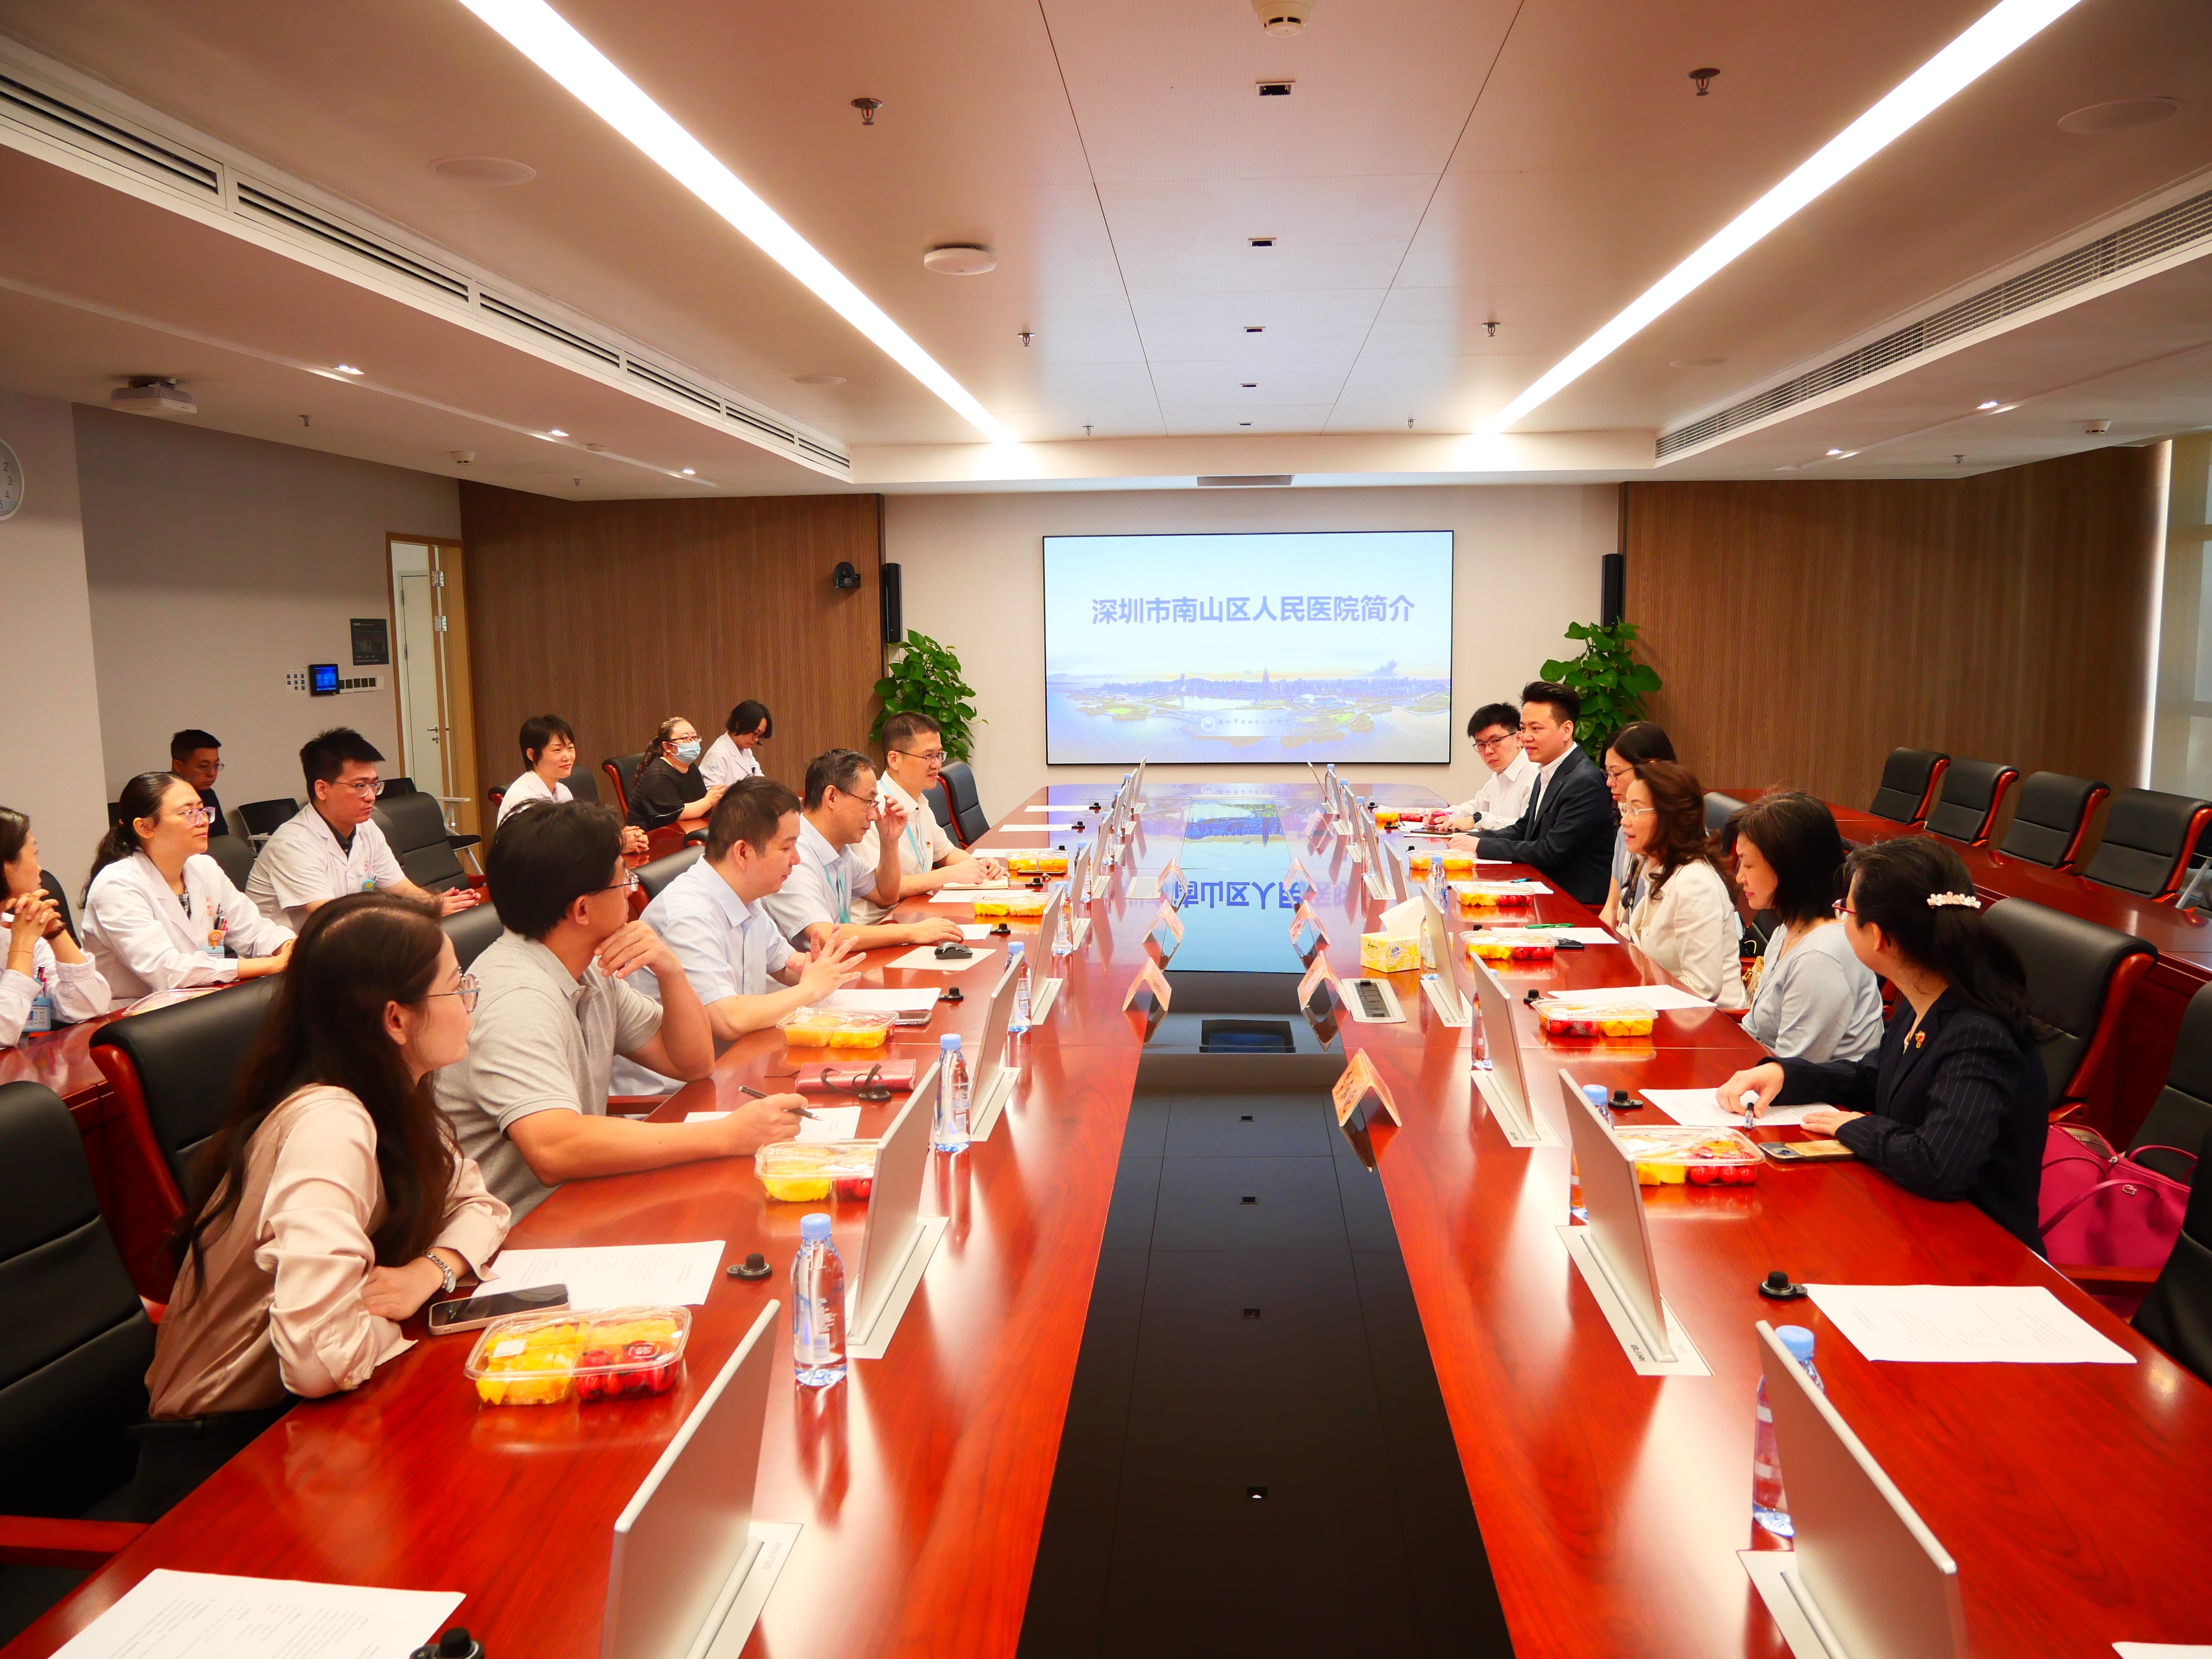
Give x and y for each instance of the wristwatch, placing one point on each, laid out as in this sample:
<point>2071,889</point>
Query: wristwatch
<point>443,1271</point>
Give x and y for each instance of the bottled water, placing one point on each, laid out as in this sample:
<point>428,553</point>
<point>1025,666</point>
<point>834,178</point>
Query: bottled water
<point>41,1017</point>
<point>1439,888</point>
<point>948,1130</point>
<point>1769,1504</point>
<point>1576,1211</point>
<point>818,1306</point>
<point>1020,1021</point>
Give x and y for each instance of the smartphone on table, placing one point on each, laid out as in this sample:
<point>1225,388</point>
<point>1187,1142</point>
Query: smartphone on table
<point>473,1313</point>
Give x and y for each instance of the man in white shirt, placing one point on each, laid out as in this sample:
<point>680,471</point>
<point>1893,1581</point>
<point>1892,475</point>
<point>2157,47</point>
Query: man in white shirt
<point>332,846</point>
<point>730,758</point>
<point>914,756</point>
<point>1495,729</point>
<point>815,902</point>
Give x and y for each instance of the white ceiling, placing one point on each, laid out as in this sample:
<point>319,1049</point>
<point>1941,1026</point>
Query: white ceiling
<point>1440,164</point>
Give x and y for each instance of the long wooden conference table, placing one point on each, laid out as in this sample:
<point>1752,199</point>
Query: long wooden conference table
<point>2074,1497</point>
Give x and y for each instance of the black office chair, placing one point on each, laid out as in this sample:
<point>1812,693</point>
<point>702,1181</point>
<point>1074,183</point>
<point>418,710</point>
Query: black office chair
<point>175,1072</point>
<point>2150,837</point>
<point>395,788</point>
<point>75,1343</point>
<point>582,786</point>
<point>2181,1116</point>
<point>235,857</point>
<point>1973,793</point>
<point>655,877</point>
<point>1719,808</point>
<point>1910,778</point>
<point>59,894</point>
<point>2052,820</point>
<point>941,805</point>
<point>2177,1314</point>
<point>2079,975</point>
<point>263,818</point>
<point>621,771</point>
<point>969,822</point>
<point>415,825</point>
<point>471,930</point>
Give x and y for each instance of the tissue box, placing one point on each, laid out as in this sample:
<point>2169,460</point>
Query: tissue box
<point>1390,954</point>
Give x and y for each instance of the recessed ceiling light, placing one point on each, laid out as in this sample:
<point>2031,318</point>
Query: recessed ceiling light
<point>690,473</point>
<point>494,170</point>
<point>345,368</point>
<point>960,259</point>
<point>2000,31</point>
<point>542,35</point>
<point>1835,452</point>
<point>1987,403</point>
<point>554,432</point>
<point>2121,115</point>
<point>818,379</point>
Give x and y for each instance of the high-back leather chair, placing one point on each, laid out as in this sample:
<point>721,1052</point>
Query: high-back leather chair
<point>263,818</point>
<point>2150,837</point>
<point>235,857</point>
<point>654,879</point>
<point>1910,779</point>
<point>1972,794</point>
<point>174,1073</point>
<point>471,930</point>
<point>2079,975</point>
<point>582,786</point>
<point>2181,1116</point>
<point>621,771</point>
<point>415,825</point>
<point>75,1342</point>
<point>969,822</point>
<point>1719,808</point>
<point>59,894</point>
<point>2177,1314</point>
<point>2051,818</point>
<point>940,805</point>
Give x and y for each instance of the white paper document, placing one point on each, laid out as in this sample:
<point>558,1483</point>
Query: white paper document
<point>617,1276</point>
<point>2144,1650</point>
<point>1582,935</point>
<point>829,1123</point>
<point>1660,997</point>
<point>879,1002</point>
<point>206,1615</point>
<point>1975,1324</point>
<point>1019,829</point>
<point>1077,811</point>
<point>1701,1108</point>
<point>925,956</point>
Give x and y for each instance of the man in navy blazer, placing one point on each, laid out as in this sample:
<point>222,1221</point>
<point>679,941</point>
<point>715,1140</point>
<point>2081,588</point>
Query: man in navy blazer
<point>1567,830</point>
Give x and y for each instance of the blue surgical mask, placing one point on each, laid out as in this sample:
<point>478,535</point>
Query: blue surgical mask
<point>687,752</point>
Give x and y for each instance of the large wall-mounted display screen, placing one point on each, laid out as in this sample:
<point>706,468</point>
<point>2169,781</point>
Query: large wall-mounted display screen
<point>1331,646</point>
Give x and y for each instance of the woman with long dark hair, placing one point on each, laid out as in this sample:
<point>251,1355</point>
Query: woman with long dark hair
<point>1952,1105</point>
<point>1812,999</point>
<point>159,914</point>
<point>669,787</point>
<point>1686,919</point>
<point>43,960</point>
<point>1634,743</point>
<point>332,1203</point>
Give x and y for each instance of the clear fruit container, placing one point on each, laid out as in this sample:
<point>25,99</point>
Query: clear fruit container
<point>827,1028</point>
<point>1011,904</point>
<point>1675,1156</point>
<point>1491,896</point>
<point>547,1358</point>
<point>1571,1022</point>
<point>1037,863</point>
<point>807,1175</point>
<point>1510,945</point>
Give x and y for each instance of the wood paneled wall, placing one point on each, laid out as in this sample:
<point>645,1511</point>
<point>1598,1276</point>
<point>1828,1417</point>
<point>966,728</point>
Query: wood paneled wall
<point>1804,629</point>
<point>616,615</point>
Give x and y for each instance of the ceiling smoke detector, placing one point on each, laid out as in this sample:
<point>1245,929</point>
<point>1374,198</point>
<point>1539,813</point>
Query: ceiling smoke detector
<point>959,259</point>
<point>1283,16</point>
<point>149,394</point>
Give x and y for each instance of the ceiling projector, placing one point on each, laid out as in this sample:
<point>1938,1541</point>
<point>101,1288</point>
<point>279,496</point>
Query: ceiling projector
<point>150,397</point>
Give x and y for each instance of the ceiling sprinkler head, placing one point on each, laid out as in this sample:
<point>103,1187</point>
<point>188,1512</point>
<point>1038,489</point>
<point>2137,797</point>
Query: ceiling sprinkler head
<point>867,106</point>
<point>1025,336</point>
<point>1703,77</point>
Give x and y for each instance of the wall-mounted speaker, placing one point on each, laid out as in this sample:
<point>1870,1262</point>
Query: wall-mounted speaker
<point>1612,590</point>
<point>894,628</point>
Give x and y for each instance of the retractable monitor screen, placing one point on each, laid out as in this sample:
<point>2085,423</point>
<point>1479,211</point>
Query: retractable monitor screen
<point>1265,647</point>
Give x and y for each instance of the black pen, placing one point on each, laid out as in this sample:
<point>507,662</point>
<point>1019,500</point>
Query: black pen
<point>761,1094</point>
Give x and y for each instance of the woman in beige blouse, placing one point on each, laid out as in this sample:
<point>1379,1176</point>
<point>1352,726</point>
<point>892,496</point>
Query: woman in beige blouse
<point>1686,921</point>
<point>333,1203</point>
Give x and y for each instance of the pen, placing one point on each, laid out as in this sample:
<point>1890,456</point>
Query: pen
<point>761,1094</point>
<point>1750,1103</point>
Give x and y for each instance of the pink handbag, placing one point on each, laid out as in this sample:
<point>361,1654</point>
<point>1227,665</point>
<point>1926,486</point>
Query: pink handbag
<point>2100,1208</point>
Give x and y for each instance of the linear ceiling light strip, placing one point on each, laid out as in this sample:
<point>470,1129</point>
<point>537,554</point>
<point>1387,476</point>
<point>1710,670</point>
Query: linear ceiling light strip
<point>542,35</point>
<point>1999,34</point>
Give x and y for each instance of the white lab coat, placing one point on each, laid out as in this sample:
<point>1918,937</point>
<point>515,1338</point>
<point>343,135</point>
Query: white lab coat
<point>143,940</point>
<point>725,763</point>
<point>75,988</point>
<point>302,866</point>
<point>525,789</point>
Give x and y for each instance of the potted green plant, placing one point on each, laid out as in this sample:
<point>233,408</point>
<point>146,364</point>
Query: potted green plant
<point>1612,683</point>
<point>925,680</point>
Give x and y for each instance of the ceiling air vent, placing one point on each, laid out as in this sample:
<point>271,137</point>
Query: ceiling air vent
<point>829,457</point>
<point>674,387</point>
<point>256,201</point>
<point>760,422</point>
<point>1244,480</point>
<point>98,136</point>
<point>507,311</point>
<point>2164,233</point>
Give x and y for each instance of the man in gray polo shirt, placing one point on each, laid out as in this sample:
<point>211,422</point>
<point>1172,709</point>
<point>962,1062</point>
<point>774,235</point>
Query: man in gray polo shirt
<point>529,1103</point>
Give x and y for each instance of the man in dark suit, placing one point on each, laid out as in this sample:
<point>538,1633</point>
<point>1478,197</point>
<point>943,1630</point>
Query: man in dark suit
<point>1567,830</point>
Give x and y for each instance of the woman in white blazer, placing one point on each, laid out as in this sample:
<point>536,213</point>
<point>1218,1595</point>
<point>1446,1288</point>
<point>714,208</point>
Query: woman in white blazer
<point>159,911</point>
<point>1685,920</point>
<point>43,960</point>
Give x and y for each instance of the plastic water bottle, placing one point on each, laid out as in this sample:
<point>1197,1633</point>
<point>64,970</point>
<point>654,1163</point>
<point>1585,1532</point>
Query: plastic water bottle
<point>1020,1021</point>
<point>1576,1211</point>
<point>1439,888</point>
<point>41,1017</point>
<point>948,1130</point>
<point>818,1306</point>
<point>1769,1504</point>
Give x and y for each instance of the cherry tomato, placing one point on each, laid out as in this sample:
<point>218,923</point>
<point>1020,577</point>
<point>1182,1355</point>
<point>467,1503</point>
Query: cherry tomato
<point>1702,1175</point>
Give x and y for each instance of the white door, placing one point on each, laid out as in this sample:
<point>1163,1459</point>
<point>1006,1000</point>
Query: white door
<point>421,722</point>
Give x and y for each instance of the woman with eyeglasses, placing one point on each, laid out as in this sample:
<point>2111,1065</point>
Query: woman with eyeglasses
<point>1634,743</point>
<point>1811,997</point>
<point>159,914</point>
<point>331,1204</point>
<point>731,756</point>
<point>1953,1104</point>
<point>43,960</point>
<point>669,787</point>
<point>1686,919</point>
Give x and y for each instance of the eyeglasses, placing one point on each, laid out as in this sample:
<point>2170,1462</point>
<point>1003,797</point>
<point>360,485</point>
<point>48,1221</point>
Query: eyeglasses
<point>197,816</point>
<point>370,787</point>
<point>1842,908</point>
<point>865,800</point>
<point>627,882</point>
<point>211,766</point>
<point>465,988</point>
<point>1493,742</point>
<point>1631,809</point>
<point>936,756</point>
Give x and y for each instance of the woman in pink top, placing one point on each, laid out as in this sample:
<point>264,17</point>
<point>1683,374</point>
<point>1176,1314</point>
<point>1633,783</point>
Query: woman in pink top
<point>332,1204</point>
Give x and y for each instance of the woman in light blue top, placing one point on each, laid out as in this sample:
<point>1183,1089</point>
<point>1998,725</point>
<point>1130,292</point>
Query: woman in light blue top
<point>1812,999</point>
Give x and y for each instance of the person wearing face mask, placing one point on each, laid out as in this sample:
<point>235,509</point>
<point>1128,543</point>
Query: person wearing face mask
<point>43,960</point>
<point>669,787</point>
<point>1636,742</point>
<point>731,756</point>
<point>914,757</point>
<point>1811,998</point>
<point>1686,921</point>
<point>816,904</point>
<point>159,913</point>
<point>331,1205</point>
<point>549,755</point>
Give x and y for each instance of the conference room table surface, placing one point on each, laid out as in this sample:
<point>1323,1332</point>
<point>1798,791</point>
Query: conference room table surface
<point>1611,1505</point>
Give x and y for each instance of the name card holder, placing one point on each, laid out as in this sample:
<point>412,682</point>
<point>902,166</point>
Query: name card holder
<point>1149,978</point>
<point>1359,1081</point>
